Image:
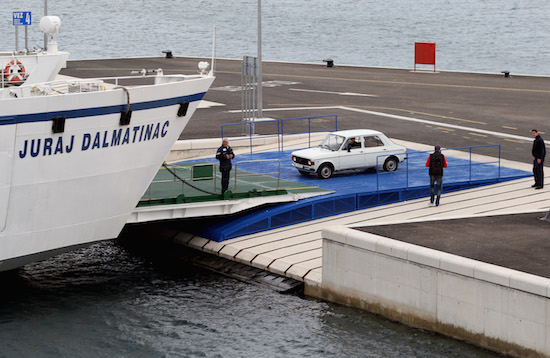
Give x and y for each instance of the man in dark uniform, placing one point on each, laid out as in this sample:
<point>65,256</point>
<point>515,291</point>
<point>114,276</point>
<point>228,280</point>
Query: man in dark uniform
<point>224,155</point>
<point>539,152</point>
<point>436,162</point>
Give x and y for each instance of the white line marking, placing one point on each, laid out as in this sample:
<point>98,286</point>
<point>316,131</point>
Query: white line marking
<point>338,93</point>
<point>410,119</point>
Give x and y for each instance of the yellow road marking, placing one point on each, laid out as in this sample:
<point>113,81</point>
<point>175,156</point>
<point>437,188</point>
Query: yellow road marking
<point>477,134</point>
<point>509,127</point>
<point>512,140</point>
<point>446,129</point>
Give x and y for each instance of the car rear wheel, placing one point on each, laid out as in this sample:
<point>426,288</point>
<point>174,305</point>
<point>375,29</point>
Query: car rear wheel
<point>390,165</point>
<point>325,171</point>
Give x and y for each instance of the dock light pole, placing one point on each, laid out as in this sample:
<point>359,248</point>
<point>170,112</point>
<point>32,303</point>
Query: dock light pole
<point>45,35</point>
<point>259,107</point>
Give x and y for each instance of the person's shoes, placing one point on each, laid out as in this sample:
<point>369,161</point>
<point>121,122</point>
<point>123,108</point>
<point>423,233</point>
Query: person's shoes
<point>534,186</point>
<point>437,202</point>
<point>538,187</point>
<point>431,201</point>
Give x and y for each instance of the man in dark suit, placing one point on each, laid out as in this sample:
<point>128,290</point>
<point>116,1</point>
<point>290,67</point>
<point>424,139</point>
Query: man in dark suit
<point>539,152</point>
<point>224,155</point>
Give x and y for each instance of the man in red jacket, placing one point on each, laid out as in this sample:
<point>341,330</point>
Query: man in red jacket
<point>436,162</point>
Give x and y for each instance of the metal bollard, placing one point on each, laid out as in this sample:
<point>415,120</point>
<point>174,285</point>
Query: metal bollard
<point>329,61</point>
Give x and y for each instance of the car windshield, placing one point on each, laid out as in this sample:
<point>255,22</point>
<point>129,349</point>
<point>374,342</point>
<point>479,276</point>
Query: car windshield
<point>332,142</point>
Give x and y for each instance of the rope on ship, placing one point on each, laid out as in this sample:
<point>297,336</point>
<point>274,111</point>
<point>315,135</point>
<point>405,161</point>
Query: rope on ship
<point>125,116</point>
<point>186,182</point>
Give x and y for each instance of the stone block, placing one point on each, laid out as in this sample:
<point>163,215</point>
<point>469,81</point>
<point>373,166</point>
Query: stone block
<point>457,264</point>
<point>423,256</point>
<point>492,273</point>
<point>197,242</point>
<point>362,240</point>
<point>530,283</point>
<point>183,238</point>
<point>335,233</point>
<point>392,247</point>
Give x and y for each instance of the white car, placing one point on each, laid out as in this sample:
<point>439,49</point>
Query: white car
<point>350,149</point>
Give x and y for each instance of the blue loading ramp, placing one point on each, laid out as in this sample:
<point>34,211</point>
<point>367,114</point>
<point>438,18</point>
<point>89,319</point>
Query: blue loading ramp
<point>353,190</point>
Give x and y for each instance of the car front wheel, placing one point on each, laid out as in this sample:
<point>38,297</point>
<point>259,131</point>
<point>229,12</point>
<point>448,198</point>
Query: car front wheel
<point>390,165</point>
<point>325,171</point>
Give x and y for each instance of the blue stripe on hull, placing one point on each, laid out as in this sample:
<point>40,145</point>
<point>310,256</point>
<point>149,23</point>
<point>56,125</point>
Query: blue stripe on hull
<point>98,111</point>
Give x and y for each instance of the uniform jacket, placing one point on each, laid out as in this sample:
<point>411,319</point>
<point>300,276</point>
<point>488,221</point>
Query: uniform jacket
<point>539,149</point>
<point>225,163</point>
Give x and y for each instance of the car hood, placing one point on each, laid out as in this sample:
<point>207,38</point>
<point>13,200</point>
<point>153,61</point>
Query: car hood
<point>313,153</point>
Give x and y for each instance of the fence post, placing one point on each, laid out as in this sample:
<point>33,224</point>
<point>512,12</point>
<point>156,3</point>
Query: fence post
<point>377,186</point>
<point>309,132</point>
<point>470,179</point>
<point>250,138</point>
<point>282,134</point>
<point>279,176</point>
<point>499,162</point>
<point>236,170</point>
<point>407,183</point>
<point>214,175</point>
<point>279,135</point>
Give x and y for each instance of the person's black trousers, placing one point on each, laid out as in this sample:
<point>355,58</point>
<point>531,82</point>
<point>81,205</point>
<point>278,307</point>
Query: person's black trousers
<point>225,179</point>
<point>538,172</point>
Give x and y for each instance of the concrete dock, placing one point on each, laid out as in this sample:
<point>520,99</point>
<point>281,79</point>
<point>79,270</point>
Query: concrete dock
<point>497,224</point>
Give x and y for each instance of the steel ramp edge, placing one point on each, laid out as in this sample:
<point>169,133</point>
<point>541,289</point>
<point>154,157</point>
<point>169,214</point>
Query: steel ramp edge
<point>280,215</point>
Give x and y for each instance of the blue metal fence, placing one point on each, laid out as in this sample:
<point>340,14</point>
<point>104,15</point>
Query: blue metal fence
<point>485,167</point>
<point>249,129</point>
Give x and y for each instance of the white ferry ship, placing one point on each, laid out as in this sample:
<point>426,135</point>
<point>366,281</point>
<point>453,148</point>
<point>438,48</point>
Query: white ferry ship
<point>77,155</point>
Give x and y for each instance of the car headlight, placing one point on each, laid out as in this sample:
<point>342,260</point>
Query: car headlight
<point>309,162</point>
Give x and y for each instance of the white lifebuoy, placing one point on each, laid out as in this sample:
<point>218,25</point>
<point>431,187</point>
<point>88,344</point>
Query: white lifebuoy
<point>15,71</point>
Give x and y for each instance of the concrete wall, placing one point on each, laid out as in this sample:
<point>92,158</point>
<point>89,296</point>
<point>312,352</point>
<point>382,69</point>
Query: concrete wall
<point>498,308</point>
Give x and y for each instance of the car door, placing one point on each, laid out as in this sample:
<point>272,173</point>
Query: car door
<point>352,158</point>
<point>373,147</point>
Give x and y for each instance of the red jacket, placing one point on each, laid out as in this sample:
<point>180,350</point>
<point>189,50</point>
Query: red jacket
<point>444,162</point>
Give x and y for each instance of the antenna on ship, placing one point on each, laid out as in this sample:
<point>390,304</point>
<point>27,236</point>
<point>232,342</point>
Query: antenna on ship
<point>213,52</point>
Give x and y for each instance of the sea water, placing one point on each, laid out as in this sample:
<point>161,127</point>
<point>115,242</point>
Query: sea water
<point>470,35</point>
<point>122,299</point>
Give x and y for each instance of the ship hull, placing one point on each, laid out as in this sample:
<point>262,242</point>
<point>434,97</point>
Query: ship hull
<point>63,190</point>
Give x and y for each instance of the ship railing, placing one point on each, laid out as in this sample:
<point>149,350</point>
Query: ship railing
<point>179,177</point>
<point>266,163</point>
<point>203,179</point>
<point>82,85</point>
